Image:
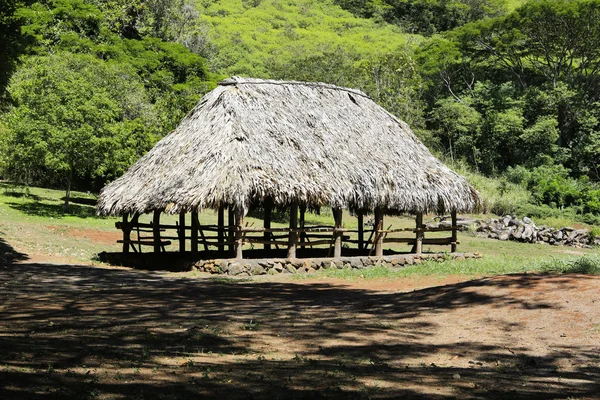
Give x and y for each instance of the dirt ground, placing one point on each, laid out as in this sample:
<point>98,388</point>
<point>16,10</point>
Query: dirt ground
<point>79,332</point>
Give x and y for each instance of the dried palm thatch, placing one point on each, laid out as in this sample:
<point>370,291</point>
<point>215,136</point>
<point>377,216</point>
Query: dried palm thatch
<point>312,143</point>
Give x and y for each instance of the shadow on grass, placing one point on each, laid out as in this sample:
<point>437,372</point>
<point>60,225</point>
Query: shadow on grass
<point>54,210</point>
<point>91,332</point>
<point>8,254</point>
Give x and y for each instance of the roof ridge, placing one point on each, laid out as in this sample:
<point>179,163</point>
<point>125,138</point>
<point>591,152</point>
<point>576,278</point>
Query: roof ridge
<point>237,80</point>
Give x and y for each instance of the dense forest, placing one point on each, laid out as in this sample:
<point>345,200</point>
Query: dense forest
<point>509,89</point>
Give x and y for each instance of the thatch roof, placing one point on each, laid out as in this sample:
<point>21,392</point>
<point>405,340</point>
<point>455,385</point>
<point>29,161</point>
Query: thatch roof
<point>314,143</point>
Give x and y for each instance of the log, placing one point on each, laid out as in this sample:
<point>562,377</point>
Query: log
<point>337,249</point>
<point>181,232</point>
<point>361,230</point>
<point>293,239</point>
<point>156,231</point>
<point>194,240</point>
<point>379,236</point>
<point>419,233</point>
<point>221,227</point>
<point>268,206</point>
<point>454,230</point>
<point>239,235</point>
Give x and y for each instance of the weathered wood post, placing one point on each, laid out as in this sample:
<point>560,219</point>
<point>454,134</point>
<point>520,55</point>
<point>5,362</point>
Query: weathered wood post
<point>361,231</point>
<point>268,207</point>
<point>302,223</point>
<point>293,236</point>
<point>156,231</point>
<point>419,233</point>
<point>378,225</point>
<point>337,249</point>
<point>230,229</point>
<point>221,228</point>
<point>182,232</point>
<point>239,234</point>
<point>194,236</point>
<point>454,230</point>
<point>126,228</point>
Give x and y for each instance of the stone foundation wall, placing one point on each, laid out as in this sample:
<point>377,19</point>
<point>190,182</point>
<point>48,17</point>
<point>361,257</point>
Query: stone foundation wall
<point>250,267</point>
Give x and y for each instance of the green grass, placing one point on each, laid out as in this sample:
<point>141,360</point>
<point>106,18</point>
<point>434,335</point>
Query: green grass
<point>32,221</point>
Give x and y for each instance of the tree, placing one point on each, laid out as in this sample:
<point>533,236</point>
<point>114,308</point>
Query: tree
<point>76,116</point>
<point>13,42</point>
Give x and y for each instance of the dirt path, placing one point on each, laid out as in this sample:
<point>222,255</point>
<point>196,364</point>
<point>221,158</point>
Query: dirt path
<point>83,332</point>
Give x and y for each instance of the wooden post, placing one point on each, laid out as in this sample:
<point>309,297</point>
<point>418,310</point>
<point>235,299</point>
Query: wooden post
<point>420,234</point>
<point>182,232</point>
<point>194,239</point>
<point>221,228</point>
<point>361,231</point>
<point>239,235</point>
<point>156,231</point>
<point>454,229</point>
<point>302,223</point>
<point>378,236</point>
<point>293,237</point>
<point>231,230</point>
<point>268,207</point>
<point>126,228</point>
<point>337,249</point>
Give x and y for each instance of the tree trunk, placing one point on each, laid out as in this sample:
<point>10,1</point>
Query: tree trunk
<point>68,193</point>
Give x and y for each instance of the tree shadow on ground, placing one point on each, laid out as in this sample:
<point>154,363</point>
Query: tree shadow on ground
<point>82,332</point>
<point>8,254</point>
<point>54,210</point>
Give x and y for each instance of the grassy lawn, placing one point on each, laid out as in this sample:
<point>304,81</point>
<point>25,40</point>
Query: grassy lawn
<point>33,222</point>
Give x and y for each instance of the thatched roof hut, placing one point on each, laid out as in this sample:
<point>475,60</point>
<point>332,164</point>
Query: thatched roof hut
<point>310,143</point>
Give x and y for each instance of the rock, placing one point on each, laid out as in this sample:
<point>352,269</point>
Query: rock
<point>278,267</point>
<point>273,271</point>
<point>257,270</point>
<point>409,260</point>
<point>290,268</point>
<point>311,270</point>
<point>528,221</point>
<point>504,235</point>
<point>235,269</point>
<point>528,233</point>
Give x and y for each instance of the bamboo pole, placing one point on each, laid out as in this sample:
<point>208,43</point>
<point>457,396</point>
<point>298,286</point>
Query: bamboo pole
<point>454,234</point>
<point>293,237</point>
<point>239,235</point>
<point>182,232</point>
<point>378,236</point>
<point>221,228</point>
<point>194,238</point>
<point>268,206</point>
<point>419,233</point>
<point>156,231</point>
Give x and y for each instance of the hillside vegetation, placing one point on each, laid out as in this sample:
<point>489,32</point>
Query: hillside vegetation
<point>507,91</point>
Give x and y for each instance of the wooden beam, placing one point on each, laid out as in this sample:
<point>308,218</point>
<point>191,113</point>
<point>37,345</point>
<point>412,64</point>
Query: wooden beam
<point>239,235</point>
<point>454,230</point>
<point>231,230</point>
<point>181,232</point>
<point>337,247</point>
<point>361,231</point>
<point>156,231</point>
<point>293,237</point>
<point>268,207</point>
<point>194,239</point>
<point>221,227</point>
<point>419,233</point>
<point>378,225</point>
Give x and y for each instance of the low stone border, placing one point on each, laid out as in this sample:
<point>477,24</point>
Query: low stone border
<point>271,266</point>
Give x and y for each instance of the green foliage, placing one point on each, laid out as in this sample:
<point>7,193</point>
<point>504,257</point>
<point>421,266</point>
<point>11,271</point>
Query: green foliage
<point>13,42</point>
<point>589,265</point>
<point>78,116</point>
<point>425,16</point>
